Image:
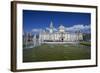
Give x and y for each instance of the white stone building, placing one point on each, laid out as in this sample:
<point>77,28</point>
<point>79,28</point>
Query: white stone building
<point>52,37</point>
<point>60,36</point>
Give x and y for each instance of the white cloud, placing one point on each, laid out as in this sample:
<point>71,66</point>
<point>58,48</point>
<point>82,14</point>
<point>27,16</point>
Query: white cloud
<point>78,27</point>
<point>81,27</point>
<point>37,30</point>
<point>55,29</point>
<point>47,28</point>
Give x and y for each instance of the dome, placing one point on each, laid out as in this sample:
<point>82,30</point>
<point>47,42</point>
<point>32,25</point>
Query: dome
<point>61,28</point>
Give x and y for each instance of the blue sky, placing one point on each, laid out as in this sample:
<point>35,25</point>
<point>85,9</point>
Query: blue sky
<point>35,20</point>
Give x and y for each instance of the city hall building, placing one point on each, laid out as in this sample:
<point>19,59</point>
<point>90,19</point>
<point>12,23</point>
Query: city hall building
<point>60,36</point>
<point>52,37</point>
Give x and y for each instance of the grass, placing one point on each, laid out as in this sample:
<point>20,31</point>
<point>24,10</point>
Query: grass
<point>56,52</point>
<point>86,43</point>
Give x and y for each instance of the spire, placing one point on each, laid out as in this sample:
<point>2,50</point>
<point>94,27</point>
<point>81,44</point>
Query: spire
<point>51,25</point>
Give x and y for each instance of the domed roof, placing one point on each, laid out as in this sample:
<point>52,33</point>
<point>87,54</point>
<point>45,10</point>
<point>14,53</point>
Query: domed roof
<point>61,27</point>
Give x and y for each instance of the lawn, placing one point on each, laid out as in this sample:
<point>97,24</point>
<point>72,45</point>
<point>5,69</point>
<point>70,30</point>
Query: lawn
<point>86,43</point>
<point>56,52</point>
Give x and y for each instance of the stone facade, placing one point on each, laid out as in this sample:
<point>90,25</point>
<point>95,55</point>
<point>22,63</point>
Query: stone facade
<point>32,40</point>
<point>61,35</point>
